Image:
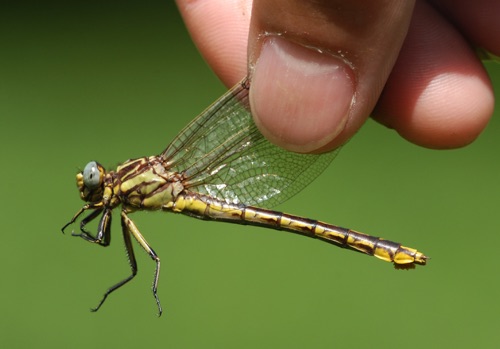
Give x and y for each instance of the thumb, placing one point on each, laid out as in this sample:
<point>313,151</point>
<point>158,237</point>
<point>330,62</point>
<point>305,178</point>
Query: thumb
<point>317,68</point>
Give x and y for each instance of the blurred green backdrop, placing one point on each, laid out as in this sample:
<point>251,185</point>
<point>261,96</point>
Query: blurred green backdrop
<point>115,80</point>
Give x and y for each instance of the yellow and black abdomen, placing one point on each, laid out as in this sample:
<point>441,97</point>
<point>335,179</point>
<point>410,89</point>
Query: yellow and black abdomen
<point>204,207</point>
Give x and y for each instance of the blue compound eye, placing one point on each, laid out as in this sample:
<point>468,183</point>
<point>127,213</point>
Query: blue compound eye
<point>91,175</point>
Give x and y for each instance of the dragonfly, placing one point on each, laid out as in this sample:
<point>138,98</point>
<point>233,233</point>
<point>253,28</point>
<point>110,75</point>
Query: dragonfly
<point>221,168</point>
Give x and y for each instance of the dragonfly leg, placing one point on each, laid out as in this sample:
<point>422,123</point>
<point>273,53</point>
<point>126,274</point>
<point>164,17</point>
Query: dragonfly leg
<point>131,260</point>
<point>103,236</point>
<point>129,227</point>
<point>97,206</point>
<point>83,209</point>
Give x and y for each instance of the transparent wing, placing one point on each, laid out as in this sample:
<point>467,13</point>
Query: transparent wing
<point>221,153</point>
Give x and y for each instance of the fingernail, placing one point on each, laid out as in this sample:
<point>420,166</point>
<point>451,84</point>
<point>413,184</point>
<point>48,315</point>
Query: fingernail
<point>300,97</point>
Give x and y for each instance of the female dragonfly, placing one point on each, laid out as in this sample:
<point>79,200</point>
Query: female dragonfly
<point>218,168</point>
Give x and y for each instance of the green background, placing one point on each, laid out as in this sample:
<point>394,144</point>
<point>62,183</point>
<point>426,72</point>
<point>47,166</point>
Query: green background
<point>84,80</point>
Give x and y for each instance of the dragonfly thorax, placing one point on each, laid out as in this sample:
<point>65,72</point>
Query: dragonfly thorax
<point>145,184</point>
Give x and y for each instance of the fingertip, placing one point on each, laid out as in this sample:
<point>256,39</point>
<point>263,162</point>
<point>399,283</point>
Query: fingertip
<point>438,96</point>
<point>220,31</point>
<point>300,97</point>
<point>451,114</point>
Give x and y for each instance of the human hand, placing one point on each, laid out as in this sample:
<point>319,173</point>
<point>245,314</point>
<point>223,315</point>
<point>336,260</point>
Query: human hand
<point>319,68</point>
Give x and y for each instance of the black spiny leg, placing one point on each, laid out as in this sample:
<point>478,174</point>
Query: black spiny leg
<point>130,227</point>
<point>96,206</point>
<point>131,260</point>
<point>103,236</point>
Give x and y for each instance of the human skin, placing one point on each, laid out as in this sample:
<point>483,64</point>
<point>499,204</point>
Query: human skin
<point>320,68</point>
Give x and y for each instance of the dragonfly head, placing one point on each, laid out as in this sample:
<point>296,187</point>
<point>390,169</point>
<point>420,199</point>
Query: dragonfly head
<point>90,182</point>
